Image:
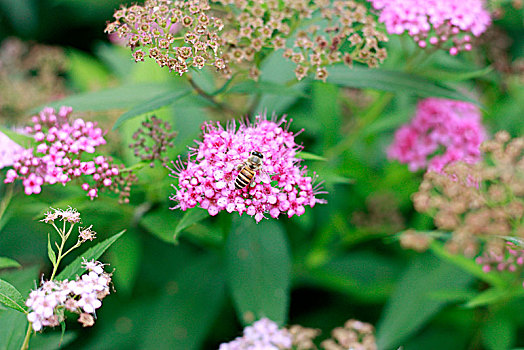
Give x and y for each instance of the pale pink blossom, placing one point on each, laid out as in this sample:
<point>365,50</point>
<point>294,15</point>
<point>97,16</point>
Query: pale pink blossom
<point>8,151</point>
<point>263,334</point>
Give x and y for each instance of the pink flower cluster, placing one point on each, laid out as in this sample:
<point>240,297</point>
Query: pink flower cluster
<point>509,259</point>
<point>82,296</point>
<point>435,22</point>
<point>207,180</point>
<point>263,334</point>
<point>452,128</point>
<point>56,157</point>
<point>8,151</point>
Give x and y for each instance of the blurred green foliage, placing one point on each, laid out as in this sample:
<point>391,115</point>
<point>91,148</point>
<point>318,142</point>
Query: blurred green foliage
<point>190,281</point>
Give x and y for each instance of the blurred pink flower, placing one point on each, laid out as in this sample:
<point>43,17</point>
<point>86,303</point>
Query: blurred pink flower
<point>208,178</point>
<point>57,157</point>
<point>435,22</point>
<point>8,151</point>
<point>451,127</point>
<point>509,259</point>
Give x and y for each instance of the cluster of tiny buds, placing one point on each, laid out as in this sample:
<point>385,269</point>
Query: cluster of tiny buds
<point>416,241</point>
<point>355,335</point>
<point>500,256</point>
<point>303,338</point>
<point>265,24</point>
<point>152,140</point>
<point>481,199</point>
<point>83,296</point>
<point>176,34</point>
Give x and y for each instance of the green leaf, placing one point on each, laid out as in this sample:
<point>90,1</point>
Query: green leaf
<point>23,140</point>
<point>454,75</point>
<point>126,255</point>
<point>50,251</point>
<point>121,97</point>
<point>411,304</point>
<point>499,332</point>
<point>494,296</point>
<point>162,100</point>
<point>310,156</point>
<point>11,297</point>
<point>265,87</point>
<point>259,268</point>
<point>394,81</point>
<point>6,263</point>
<point>190,217</point>
<point>75,268</point>
<point>468,265</point>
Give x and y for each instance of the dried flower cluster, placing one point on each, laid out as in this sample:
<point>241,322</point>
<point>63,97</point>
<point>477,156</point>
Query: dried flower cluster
<point>478,200</point>
<point>8,151</point>
<point>176,34</point>
<point>354,335</point>
<point>303,338</point>
<point>57,157</point>
<point>382,215</point>
<point>348,35</point>
<point>30,75</point>
<point>153,140</point>
<point>453,128</point>
<point>263,334</point>
<point>83,296</point>
<point>208,178</point>
<point>447,24</point>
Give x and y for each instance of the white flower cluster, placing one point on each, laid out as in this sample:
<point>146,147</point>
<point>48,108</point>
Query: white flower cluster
<point>82,296</point>
<point>263,334</point>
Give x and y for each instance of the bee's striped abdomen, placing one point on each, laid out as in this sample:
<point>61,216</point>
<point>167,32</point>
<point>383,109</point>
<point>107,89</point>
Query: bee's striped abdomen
<point>244,178</point>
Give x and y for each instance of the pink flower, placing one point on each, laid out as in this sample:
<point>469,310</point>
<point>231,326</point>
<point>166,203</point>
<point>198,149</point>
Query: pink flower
<point>440,23</point>
<point>8,151</point>
<point>57,157</point>
<point>207,180</point>
<point>452,128</point>
<point>263,334</point>
<point>509,258</point>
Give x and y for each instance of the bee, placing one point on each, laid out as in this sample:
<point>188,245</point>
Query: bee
<point>248,170</point>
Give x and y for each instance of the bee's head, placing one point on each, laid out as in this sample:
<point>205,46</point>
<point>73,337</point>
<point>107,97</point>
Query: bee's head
<point>257,154</point>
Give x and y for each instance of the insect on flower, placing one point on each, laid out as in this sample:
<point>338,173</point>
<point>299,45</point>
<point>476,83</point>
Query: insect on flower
<point>248,170</point>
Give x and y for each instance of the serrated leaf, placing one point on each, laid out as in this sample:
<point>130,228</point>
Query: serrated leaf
<point>411,305</point>
<point>6,263</point>
<point>191,217</point>
<point>259,270</point>
<point>50,252</point>
<point>162,100</point>
<point>75,268</point>
<point>11,297</point>
<point>394,81</point>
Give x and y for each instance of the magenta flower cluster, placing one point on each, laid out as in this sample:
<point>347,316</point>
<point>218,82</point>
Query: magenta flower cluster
<point>442,131</point>
<point>207,180</point>
<point>435,22</point>
<point>8,151</point>
<point>263,334</point>
<point>59,143</point>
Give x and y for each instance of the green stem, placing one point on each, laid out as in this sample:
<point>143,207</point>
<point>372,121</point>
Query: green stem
<point>25,344</point>
<point>371,114</point>
<point>210,98</point>
<point>8,195</point>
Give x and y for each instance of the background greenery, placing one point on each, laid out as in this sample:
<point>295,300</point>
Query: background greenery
<point>317,270</point>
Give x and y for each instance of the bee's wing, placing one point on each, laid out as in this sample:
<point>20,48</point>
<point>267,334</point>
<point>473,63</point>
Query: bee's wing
<point>264,176</point>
